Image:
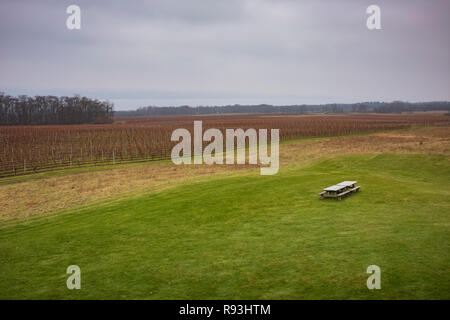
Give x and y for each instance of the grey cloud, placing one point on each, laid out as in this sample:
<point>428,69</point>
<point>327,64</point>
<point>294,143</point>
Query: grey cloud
<point>165,51</point>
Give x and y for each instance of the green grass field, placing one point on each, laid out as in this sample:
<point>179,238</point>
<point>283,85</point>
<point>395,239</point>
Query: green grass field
<point>249,237</point>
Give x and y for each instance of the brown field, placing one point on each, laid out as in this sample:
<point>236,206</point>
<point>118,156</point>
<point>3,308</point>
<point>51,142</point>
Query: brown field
<point>33,149</point>
<point>41,194</point>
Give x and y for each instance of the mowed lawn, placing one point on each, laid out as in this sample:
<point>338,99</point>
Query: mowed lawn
<point>249,237</point>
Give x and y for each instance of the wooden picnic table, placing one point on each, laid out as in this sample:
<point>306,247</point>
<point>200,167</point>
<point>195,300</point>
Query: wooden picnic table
<point>340,190</point>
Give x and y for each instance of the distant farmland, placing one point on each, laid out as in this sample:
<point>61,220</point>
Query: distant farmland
<point>33,149</point>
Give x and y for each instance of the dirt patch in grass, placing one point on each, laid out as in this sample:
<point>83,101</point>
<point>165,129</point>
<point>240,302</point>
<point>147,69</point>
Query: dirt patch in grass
<point>415,141</point>
<point>40,196</point>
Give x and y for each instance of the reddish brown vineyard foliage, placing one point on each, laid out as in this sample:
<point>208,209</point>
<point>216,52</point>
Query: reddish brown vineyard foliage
<point>30,149</point>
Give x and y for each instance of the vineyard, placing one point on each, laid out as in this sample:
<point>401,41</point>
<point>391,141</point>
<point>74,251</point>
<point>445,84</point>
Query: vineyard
<point>32,149</point>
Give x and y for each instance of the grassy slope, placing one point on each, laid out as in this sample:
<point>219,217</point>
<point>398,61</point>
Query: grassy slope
<point>250,237</point>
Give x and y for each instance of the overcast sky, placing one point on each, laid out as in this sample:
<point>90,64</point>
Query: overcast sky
<point>216,52</point>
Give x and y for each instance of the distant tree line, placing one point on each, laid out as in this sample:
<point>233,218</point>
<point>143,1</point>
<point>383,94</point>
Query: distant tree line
<point>363,107</point>
<point>40,110</point>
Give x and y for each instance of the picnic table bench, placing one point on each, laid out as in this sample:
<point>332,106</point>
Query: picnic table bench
<point>340,190</point>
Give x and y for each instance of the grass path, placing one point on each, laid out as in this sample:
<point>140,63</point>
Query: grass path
<point>249,237</point>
